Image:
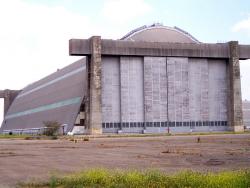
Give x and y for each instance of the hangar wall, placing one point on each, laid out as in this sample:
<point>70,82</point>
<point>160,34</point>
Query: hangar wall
<point>154,93</point>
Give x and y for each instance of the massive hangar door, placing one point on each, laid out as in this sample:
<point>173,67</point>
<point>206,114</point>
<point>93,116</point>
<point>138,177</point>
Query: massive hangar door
<point>122,93</point>
<point>111,96</point>
<point>197,94</point>
<point>155,93</point>
<point>132,98</point>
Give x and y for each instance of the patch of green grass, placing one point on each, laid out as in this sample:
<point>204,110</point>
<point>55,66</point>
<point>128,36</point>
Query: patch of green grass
<point>210,133</point>
<point>170,134</point>
<point>101,178</point>
<point>7,136</point>
<point>135,135</point>
<point>28,137</point>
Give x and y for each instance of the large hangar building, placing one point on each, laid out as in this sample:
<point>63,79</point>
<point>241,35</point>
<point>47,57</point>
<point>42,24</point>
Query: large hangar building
<point>154,79</point>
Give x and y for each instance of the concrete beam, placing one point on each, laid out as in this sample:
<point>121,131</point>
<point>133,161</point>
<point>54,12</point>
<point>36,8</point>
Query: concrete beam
<point>131,48</point>
<point>1,93</point>
<point>8,96</point>
<point>235,99</point>
<point>244,52</point>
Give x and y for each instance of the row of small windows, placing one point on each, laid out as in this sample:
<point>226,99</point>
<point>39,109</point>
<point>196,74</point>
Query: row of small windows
<point>164,124</point>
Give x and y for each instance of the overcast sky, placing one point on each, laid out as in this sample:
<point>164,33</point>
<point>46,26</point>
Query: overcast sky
<point>34,34</point>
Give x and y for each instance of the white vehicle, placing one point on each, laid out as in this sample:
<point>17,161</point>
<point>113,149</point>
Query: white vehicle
<point>77,130</point>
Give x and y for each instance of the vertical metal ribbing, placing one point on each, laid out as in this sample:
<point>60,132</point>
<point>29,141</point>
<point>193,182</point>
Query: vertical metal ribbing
<point>143,77</point>
<point>120,124</point>
<point>167,92</point>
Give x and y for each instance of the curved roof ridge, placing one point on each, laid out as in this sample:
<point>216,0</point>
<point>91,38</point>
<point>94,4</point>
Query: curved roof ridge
<point>133,31</point>
<point>187,33</point>
<point>159,25</point>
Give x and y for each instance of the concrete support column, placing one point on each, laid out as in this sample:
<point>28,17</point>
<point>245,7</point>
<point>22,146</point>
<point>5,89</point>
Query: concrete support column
<point>235,100</point>
<point>94,113</point>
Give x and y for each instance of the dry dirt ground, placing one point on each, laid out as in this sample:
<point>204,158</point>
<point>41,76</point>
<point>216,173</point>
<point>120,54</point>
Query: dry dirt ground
<point>22,160</point>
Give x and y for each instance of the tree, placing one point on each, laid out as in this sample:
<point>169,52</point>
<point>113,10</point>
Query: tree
<point>51,128</point>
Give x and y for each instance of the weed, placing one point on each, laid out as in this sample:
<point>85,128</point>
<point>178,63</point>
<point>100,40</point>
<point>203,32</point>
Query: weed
<point>154,179</point>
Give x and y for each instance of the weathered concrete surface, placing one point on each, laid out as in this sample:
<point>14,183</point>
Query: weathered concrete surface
<point>94,113</point>
<point>9,96</point>
<point>235,100</point>
<point>131,48</point>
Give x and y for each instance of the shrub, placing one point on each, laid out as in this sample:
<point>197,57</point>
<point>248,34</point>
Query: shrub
<point>52,128</point>
<point>86,138</point>
<point>54,138</point>
<point>27,138</point>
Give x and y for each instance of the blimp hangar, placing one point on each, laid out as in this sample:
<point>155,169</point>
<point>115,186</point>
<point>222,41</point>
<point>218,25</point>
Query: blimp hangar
<point>154,79</point>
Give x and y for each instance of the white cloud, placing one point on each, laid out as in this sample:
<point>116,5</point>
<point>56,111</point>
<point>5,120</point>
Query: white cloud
<point>120,11</point>
<point>34,40</point>
<point>243,25</point>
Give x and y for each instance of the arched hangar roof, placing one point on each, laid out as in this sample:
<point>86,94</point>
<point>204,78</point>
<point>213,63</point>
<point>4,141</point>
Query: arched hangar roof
<point>57,97</point>
<point>160,33</point>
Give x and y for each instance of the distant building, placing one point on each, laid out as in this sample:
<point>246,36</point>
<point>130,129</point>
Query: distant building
<point>154,79</point>
<point>246,113</point>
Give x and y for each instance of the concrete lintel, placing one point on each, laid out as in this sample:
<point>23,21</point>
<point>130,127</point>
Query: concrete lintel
<point>7,92</point>
<point>137,48</point>
<point>79,47</point>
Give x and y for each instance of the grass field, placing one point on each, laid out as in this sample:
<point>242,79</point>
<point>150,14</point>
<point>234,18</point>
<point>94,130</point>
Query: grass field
<point>154,179</point>
<point>30,137</point>
<point>7,136</point>
<point>175,134</point>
